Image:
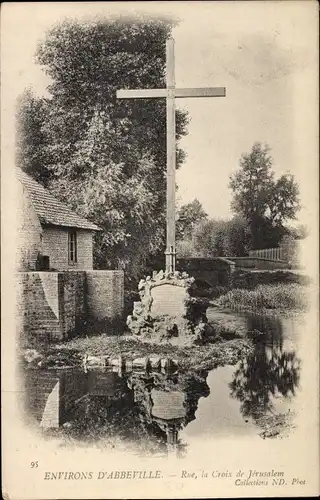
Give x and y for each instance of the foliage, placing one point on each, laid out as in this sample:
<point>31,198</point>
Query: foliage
<point>185,249</point>
<point>30,136</point>
<point>188,217</point>
<point>220,238</point>
<point>105,157</point>
<point>267,203</point>
<point>282,296</point>
<point>300,232</point>
<point>290,248</point>
<point>216,238</point>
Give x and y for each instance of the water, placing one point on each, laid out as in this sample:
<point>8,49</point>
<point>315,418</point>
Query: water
<point>159,412</point>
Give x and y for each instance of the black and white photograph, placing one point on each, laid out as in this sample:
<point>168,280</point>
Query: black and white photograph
<point>160,249</point>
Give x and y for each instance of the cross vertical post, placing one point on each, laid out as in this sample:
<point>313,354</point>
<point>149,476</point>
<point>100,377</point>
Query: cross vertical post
<point>171,159</point>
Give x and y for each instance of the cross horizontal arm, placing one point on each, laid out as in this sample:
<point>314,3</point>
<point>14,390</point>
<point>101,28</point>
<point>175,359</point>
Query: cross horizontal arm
<point>150,93</point>
<point>141,94</point>
<point>202,92</point>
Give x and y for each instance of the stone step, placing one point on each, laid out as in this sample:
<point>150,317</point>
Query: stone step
<point>146,362</point>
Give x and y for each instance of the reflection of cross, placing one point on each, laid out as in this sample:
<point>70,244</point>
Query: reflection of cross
<point>170,93</point>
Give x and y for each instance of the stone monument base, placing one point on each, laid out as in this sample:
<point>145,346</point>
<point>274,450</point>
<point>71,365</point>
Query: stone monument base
<point>170,311</point>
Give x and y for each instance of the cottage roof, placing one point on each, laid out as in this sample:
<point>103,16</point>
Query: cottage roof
<point>49,209</point>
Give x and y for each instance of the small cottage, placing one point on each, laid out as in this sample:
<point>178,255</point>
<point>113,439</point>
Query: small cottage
<point>58,291</point>
<point>50,235</point>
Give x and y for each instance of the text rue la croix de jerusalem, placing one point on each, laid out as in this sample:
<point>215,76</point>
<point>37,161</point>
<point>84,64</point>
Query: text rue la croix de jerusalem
<point>251,477</point>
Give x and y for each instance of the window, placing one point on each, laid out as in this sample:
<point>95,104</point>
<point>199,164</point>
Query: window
<point>72,246</point>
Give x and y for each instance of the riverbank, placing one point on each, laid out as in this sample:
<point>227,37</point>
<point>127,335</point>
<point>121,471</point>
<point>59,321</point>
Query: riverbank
<point>277,426</point>
<point>219,352</point>
<point>235,315</point>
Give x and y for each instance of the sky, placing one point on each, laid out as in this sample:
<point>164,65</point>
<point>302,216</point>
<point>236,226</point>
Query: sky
<point>264,53</point>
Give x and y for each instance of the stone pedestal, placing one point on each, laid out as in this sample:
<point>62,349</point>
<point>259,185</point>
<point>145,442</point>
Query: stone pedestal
<point>169,310</point>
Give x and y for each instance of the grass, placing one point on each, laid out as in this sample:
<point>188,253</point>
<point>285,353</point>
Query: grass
<point>280,297</point>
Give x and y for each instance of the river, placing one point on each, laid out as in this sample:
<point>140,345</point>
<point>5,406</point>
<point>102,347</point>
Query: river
<point>157,413</point>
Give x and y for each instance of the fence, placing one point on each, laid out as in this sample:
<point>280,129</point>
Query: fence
<point>268,253</point>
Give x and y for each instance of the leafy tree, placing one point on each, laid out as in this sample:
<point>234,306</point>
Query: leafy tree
<point>267,203</point>
<point>106,157</point>
<point>188,217</point>
<point>128,226</point>
<point>300,232</point>
<point>185,249</point>
<point>221,238</point>
<point>236,239</point>
<point>30,136</point>
<point>208,238</point>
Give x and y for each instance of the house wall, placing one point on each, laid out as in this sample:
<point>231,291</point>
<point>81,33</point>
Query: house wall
<point>53,305</point>
<point>55,245</point>
<point>28,235</point>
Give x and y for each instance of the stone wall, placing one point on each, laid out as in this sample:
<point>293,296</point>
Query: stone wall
<point>53,305</point>
<point>218,271</point>
<point>38,306</point>
<point>212,271</point>
<point>55,245</point>
<point>259,263</point>
<point>105,293</point>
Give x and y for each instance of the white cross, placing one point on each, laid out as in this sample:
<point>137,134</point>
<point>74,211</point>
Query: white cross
<point>171,93</point>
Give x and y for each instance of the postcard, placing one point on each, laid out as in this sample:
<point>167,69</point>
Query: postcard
<point>159,230</point>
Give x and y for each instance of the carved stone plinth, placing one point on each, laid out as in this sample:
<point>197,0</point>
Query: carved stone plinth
<point>169,310</point>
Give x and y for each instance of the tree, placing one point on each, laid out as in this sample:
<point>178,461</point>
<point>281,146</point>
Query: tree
<point>106,158</point>
<point>188,217</point>
<point>30,136</point>
<point>221,238</point>
<point>265,202</point>
<point>185,249</point>
<point>300,232</point>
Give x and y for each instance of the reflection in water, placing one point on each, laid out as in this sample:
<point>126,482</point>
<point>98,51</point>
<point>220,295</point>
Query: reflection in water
<point>150,409</point>
<point>169,402</point>
<point>146,408</point>
<point>269,372</point>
